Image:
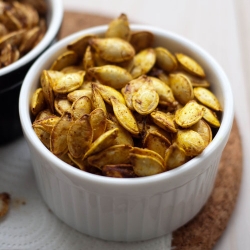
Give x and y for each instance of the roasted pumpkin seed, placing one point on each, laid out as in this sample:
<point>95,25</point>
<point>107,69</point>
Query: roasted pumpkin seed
<point>108,92</point>
<point>80,45</point>
<point>113,49</point>
<point>97,100</point>
<point>102,142</point>
<point>37,101</point>
<point>207,98</point>
<point>46,113</point>
<point>191,113</point>
<point>5,199</point>
<point>76,94</point>
<point>145,100</point>
<point>14,38</point>
<point>164,120</point>
<point>48,93</point>
<point>165,60</point>
<point>119,27</point>
<point>119,171</point>
<point>174,157</point>
<point>98,122</point>
<point>141,40</point>
<point>182,88</point>
<point>124,116</point>
<point>67,59</point>
<point>71,69</point>
<point>146,165</point>
<point>147,152</point>
<point>211,117</point>
<point>46,124</point>
<point>80,107</point>
<point>157,142</point>
<point>29,40</point>
<point>133,86</point>
<point>190,142</point>
<point>68,82</point>
<point>43,136</point>
<point>77,162</point>
<point>59,133</point>
<point>61,105</point>
<point>111,75</point>
<point>164,91</point>
<point>117,154</point>
<point>190,65</point>
<point>123,136</point>
<point>88,59</point>
<point>143,62</point>
<point>204,130</point>
<point>79,137</point>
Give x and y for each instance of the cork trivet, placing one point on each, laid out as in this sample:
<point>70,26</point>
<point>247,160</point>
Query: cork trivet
<point>204,230</point>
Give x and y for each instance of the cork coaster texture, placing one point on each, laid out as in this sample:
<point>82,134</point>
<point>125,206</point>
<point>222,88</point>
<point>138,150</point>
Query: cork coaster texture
<point>206,228</point>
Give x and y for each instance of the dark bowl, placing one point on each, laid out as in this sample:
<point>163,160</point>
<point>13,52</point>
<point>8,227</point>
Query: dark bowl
<point>11,77</point>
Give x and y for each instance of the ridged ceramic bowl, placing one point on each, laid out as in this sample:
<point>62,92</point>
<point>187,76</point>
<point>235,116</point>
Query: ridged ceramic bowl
<point>11,77</point>
<point>128,209</point>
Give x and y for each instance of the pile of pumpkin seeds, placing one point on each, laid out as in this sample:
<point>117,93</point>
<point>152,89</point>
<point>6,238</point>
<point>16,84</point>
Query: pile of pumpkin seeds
<point>117,106</point>
<point>22,26</point>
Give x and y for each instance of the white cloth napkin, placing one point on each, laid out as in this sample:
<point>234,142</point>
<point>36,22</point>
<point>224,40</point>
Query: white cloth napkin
<point>30,224</point>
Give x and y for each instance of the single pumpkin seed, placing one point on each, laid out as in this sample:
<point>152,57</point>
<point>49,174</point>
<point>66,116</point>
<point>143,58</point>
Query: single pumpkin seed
<point>119,27</point>
<point>76,94</point>
<point>191,113</point>
<point>190,65</point>
<point>97,100</point>
<point>145,100</point>
<point>68,58</point>
<point>68,82</point>
<point>156,142</point>
<point>204,130</point>
<point>164,91</point>
<point>112,49</point>
<point>102,142</point>
<point>37,101</point>
<point>165,60</point>
<point>143,62</point>
<point>141,40</point>
<point>182,88</point>
<point>123,136</point>
<point>80,107</point>
<point>79,137</point>
<point>207,98</point>
<point>88,60</point>
<point>59,133</point>
<point>119,171</point>
<point>80,44</point>
<point>111,75</point>
<point>133,86</point>
<point>117,154</point>
<point>190,142</point>
<point>108,92</point>
<point>145,165</point>
<point>174,157</point>
<point>124,116</point>
<point>98,122</point>
<point>61,105</point>
<point>164,120</point>
<point>48,93</point>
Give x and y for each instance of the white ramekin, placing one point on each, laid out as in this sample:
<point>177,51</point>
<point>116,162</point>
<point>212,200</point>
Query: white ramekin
<point>128,209</point>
